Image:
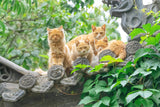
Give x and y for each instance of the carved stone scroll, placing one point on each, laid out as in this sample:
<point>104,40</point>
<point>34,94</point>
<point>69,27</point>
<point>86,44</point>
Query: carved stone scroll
<point>130,58</point>
<point>56,72</point>
<point>13,95</point>
<point>104,53</point>
<point>81,61</point>
<point>73,80</point>
<point>27,82</point>
<point>43,85</point>
<point>132,47</point>
<point>5,73</point>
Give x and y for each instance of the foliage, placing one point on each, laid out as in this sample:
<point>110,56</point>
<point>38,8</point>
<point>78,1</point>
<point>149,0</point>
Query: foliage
<point>149,30</point>
<point>23,35</point>
<point>134,85</point>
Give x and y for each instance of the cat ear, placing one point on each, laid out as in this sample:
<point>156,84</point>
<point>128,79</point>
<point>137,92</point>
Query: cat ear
<point>93,28</point>
<point>61,27</point>
<point>105,39</point>
<point>76,42</point>
<point>87,41</point>
<point>104,27</point>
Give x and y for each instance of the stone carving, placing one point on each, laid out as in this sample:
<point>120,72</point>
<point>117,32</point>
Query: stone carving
<point>27,82</point>
<point>13,95</point>
<point>5,73</point>
<point>106,52</point>
<point>132,47</point>
<point>131,13</point>
<point>129,58</point>
<point>81,61</point>
<point>56,72</point>
<point>43,85</point>
<point>73,80</point>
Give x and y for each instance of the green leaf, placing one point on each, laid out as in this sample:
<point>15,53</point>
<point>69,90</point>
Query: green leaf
<point>97,104</point>
<point>123,82</point>
<point>145,102</point>
<point>154,29</point>
<point>145,94</point>
<point>102,89</point>
<point>131,96</point>
<point>87,100</point>
<point>106,100</point>
<point>147,27</point>
<point>135,32</point>
<point>2,28</point>
<point>137,87</point>
<point>101,83</point>
<point>97,68</point>
<point>110,59</point>
<point>44,56</point>
<point>156,98</point>
<point>115,84</point>
<point>141,53</point>
<point>141,71</point>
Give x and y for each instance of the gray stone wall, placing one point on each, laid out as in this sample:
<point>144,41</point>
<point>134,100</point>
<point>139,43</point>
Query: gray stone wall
<point>44,100</point>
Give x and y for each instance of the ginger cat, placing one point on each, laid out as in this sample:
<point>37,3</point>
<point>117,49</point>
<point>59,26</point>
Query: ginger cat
<point>101,44</point>
<point>82,49</point>
<point>116,46</point>
<point>97,34</point>
<point>59,53</point>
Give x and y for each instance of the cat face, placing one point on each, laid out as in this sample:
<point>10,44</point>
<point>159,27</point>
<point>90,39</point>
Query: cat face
<point>56,34</point>
<point>101,44</point>
<point>99,32</point>
<point>83,47</point>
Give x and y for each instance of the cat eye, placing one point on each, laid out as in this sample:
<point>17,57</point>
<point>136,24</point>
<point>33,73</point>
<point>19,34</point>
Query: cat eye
<point>101,32</point>
<point>97,33</point>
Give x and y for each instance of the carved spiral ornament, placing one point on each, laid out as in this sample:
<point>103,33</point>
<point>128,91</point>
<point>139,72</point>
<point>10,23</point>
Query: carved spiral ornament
<point>132,47</point>
<point>56,72</point>
<point>81,61</point>
<point>27,81</point>
<point>5,73</point>
<point>106,52</point>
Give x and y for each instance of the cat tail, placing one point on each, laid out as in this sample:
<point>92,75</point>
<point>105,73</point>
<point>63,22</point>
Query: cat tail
<point>40,71</point>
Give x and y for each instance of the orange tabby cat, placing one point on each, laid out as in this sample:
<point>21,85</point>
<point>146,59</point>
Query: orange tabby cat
<point>101,44</point>
<point>59,52</point>
<point>116,46</point>
<point>82,49</point>
<point>97,34</point>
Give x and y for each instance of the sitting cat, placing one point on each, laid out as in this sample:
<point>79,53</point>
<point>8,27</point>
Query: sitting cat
<point>97,34</point>
<point>101,44</point>
<point>59,53</point>
<point>116,46</point>
<point>81,49</point>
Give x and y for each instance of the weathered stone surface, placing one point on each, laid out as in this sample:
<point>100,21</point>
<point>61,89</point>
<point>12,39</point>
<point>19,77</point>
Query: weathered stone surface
<point>44,100</point>
<point>56,72</point>
<point>129,58</point>
<point>5,73</point>
<point>72,80</point>
<point>27,81</point>
<point>81,61</point>
<point>104,53</point>
<point>43,85</point>
<point>132,47</point>
<point>13,95</point>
